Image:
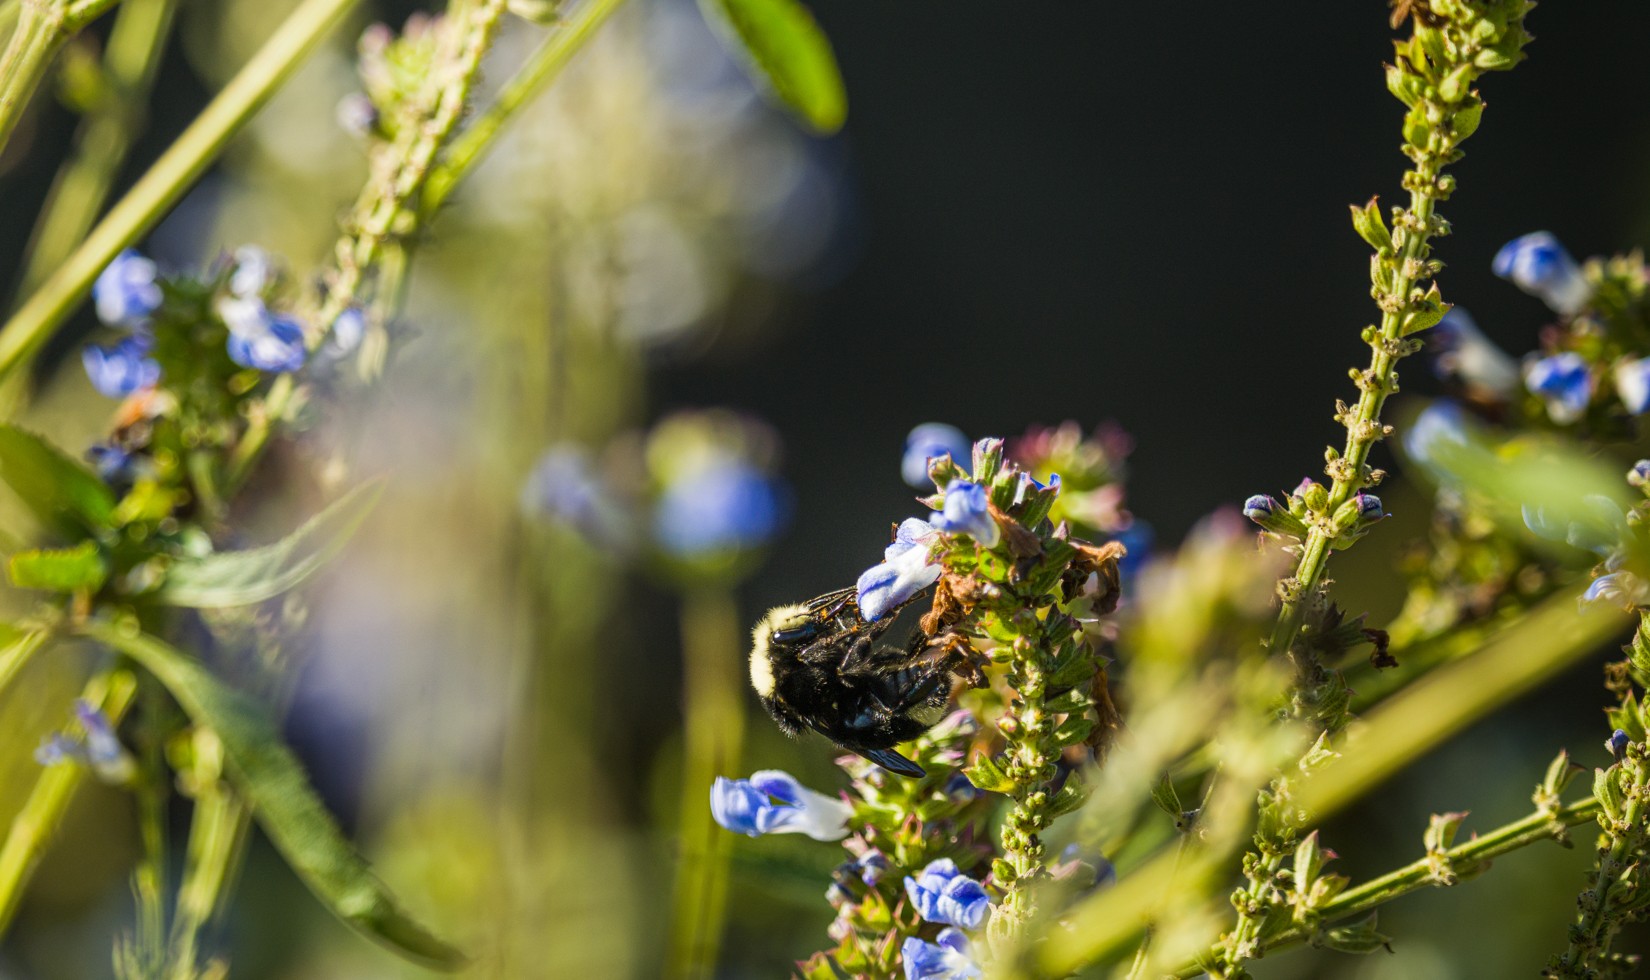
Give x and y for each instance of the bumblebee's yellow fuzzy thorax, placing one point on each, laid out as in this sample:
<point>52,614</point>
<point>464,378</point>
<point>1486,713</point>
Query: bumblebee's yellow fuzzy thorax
<point>761,656</point>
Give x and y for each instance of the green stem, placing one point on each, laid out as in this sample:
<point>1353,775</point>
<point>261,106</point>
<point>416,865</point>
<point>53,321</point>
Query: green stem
<point>166,181</point>
<point>149,879</point>
<point>216,835</point>
<point>81,187</point>
<point>712,736</point>
<point>15,657</point>
<point>468,150</point>
<point>36,824</point>
<point>39,33</point>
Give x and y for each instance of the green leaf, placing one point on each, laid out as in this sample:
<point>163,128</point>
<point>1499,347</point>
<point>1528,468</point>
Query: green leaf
<point>239,578</point>
<point>66,497</point>
<point>1071,796</point>
<point>17,647</point>
<point>265,773</point>
<point>1073,730</point>
<point>1359,938</point>
<point>781,44</point>
<point>1165,797</point>
<point>987,775</point>
<point>76,569</point>
<point>1068,702</point>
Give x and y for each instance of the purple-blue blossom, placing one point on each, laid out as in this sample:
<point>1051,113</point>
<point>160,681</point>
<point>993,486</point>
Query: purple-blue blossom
<point>109,461</point>
<point>1369,506</point>
<point>930,440</point>
<point>1618,589</point>
<point>101,751</point>
<point>947,958</point>
<point>1639,475</point>
<point>959,789</point>
<point>773,802</point>
<point>279,349</point>
<point>725,505</point>
<point>347,331</point>
<point>1464,352</point>
<point>1564,382</point>
<point>1617,744</point>
<point>565,486</point>
<point>904,571</point>
<point>1439,436</point>
<point>1539,265</point>
<point>253,271</point>
<point>1260,507</point>
<point>1633,384</point>
<point>122,368</point>
<point>967,510</point>
<point>871,866</point>
<point>125,292</point>
<point>941,893</point>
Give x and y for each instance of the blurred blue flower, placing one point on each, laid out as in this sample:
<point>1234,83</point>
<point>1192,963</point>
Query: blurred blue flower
<point>245,316</point>
<point>101,751</point>
<point>279,349</point>
<point>1564,382</point>
<point>565,486</point>
<point>941,893</point>
<point>1138,537</point>
<point>726,504</point>
<point>871,866</point>
<point>1602,529</point>
<point>944,959</point>
<point>347,331</point>
<point>121,369</point>
<point>1639,475</point>
<point>927,441</point>
<point>1539,265</point>
<point>1617,744</point>
<point>904,571</point>
<point>1633,384</point>
<point>1438,437</point>
<point>109,461</point>
<point>253,271</point>
<point>125,292</point>
<point>1618,589</point>
<point>1464,352</point>
<point>960,789</point>
<point>747,806</point>
<point>967,511</point>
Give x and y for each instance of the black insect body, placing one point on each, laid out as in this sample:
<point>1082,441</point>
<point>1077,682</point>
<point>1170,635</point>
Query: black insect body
<point>818,665</point>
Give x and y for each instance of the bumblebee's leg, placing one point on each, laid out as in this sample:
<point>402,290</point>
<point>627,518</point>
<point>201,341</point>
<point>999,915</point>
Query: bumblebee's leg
<point>961,658</point>
<point>865,658</point>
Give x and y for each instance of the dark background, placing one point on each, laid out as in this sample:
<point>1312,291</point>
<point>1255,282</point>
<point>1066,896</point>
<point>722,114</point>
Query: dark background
<point>1071,209</point>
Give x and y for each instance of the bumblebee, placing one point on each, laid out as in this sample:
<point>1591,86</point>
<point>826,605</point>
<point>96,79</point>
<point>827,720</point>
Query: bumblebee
<point>818,665</point>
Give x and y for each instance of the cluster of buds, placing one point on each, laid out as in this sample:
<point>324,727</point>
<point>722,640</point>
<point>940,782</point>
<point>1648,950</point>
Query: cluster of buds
<point>1307,508</point>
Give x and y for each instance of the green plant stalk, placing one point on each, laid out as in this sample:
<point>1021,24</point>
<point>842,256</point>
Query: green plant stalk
<point>136,43</point>
<point>1397,731</point>
<point>216,837</point>
<point>471,146</point>
<point>1590,937</point>
<point>1420,874</point>
<point>164,184</point>
<point>41,30</point>
<point>36,824</point>
<point>712,741</point>
<point>14,658</point>
<point>149,878</point>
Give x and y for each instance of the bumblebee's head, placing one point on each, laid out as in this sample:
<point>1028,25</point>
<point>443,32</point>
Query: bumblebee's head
<point>774,636</point>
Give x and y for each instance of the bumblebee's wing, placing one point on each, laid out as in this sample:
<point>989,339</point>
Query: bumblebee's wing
<point>894,762</point>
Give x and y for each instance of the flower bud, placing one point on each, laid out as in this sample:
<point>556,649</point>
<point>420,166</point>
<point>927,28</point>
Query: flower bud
<point>1639,475</point>
<point>1313,495</point>
<point>1617,744</point>
<point>1273,516</point>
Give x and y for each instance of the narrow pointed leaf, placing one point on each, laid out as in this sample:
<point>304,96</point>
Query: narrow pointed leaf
<point>239,578</point>
<point>17,647</point>
<point>78,569</point>
<point>266,774</point>
<point>781,45</point>
<point>67,497</point>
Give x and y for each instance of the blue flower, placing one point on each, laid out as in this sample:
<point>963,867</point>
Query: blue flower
<point>121,369</point>
<point>279,349</point>
<point>101,751</point>
<point>930,440</point>
<point>564,485</point>
<point>1633,384</point>
<point>347,331</point>
<point>1639,475</point>
<point>945,959</point>
<point>1439,436</point>
<point>960,789</point>
<point>747,806</point>
<point>1539,265</point>
<point>1464,352</point>
<point>1618,589</point>
<point>245,316</point>
<point>109,460</point>
<point>941,893</point>
<point>967,511</point>
<point>904,571</point>
<point>724,505</point>
<point>1259,507</point>
<point>253,271</point>
<point>125,292</point>
<point>1138,537</point>
<point>1029,484</point>
<point>871,866</point>
<point>1617,744</point>
<point>1369,506</point>
<point>1564,382</point>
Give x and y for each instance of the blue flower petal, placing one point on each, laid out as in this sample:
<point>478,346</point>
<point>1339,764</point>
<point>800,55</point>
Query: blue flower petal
<point>930,440</point>
<point>279,349</point>
<point>1539,265</point>
<point>125,292</point>
<point>121,369</point>
<point>942,894</point>
<point>967,511</point>
<point>727,505</point>
<point>735,804</point>
<point>1633,384</point>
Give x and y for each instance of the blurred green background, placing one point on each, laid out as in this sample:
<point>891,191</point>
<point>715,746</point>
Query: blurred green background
<point>1129,212</point>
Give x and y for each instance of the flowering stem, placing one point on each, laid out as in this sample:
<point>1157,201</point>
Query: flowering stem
<point>136,43</point>
<point>34,826</point>
<point>712,735</point>
<point>166,181</point>
<point>471,146</point>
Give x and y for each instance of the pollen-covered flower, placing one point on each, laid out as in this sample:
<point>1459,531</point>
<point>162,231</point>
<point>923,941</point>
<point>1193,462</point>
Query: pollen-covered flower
<point>279,349</point>
<point>773,802</point>
<point>725,505</point>
<point>1539,265</point>
<point>946,958</point>
<point>1465,353</point>
<point>125,292</point>
<point>118,370</point>
<point>967,510</point>
<point>941,893</point>
<point>1633,384</point>
<point>928,441</point>
<point>1564,382</point>
<point>904,571</point>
